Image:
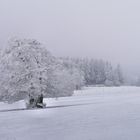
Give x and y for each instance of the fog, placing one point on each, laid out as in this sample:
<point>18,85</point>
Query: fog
<point>109,30</point>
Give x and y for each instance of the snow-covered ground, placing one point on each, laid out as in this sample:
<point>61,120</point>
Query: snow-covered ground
<point>96,113</point>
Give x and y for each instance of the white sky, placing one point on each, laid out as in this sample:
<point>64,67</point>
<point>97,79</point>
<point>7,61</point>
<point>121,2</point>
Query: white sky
<point>106,29</point>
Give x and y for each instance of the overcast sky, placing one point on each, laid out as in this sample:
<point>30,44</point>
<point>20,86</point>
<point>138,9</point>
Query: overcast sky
<point>107,29</point>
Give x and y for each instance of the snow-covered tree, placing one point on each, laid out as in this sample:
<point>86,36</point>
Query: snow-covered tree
<point>120,74</point>
<point>24,68</point>
<point>76,73</point>
<point>99,69</point>
<point>109,75</point>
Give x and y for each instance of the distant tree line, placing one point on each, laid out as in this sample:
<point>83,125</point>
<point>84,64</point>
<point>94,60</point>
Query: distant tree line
<point>95,72</point>
<point>26,66</point>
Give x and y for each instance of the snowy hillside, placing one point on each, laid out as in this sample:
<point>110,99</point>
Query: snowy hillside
<point>96,113</point>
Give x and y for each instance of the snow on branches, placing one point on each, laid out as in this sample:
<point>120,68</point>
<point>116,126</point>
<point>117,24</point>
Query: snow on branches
<point>24,63</point>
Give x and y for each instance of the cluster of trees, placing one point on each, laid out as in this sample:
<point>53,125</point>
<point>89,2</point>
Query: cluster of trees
<point>96,72</point>
<point>26,66</point>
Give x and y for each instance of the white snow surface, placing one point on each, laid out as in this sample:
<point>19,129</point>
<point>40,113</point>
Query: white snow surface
<point>94,113</point>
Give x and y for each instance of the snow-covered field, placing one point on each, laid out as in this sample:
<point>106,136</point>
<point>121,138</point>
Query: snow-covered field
<point>96,113</point>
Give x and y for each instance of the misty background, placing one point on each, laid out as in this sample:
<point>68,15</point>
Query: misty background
<point>107,30</point>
